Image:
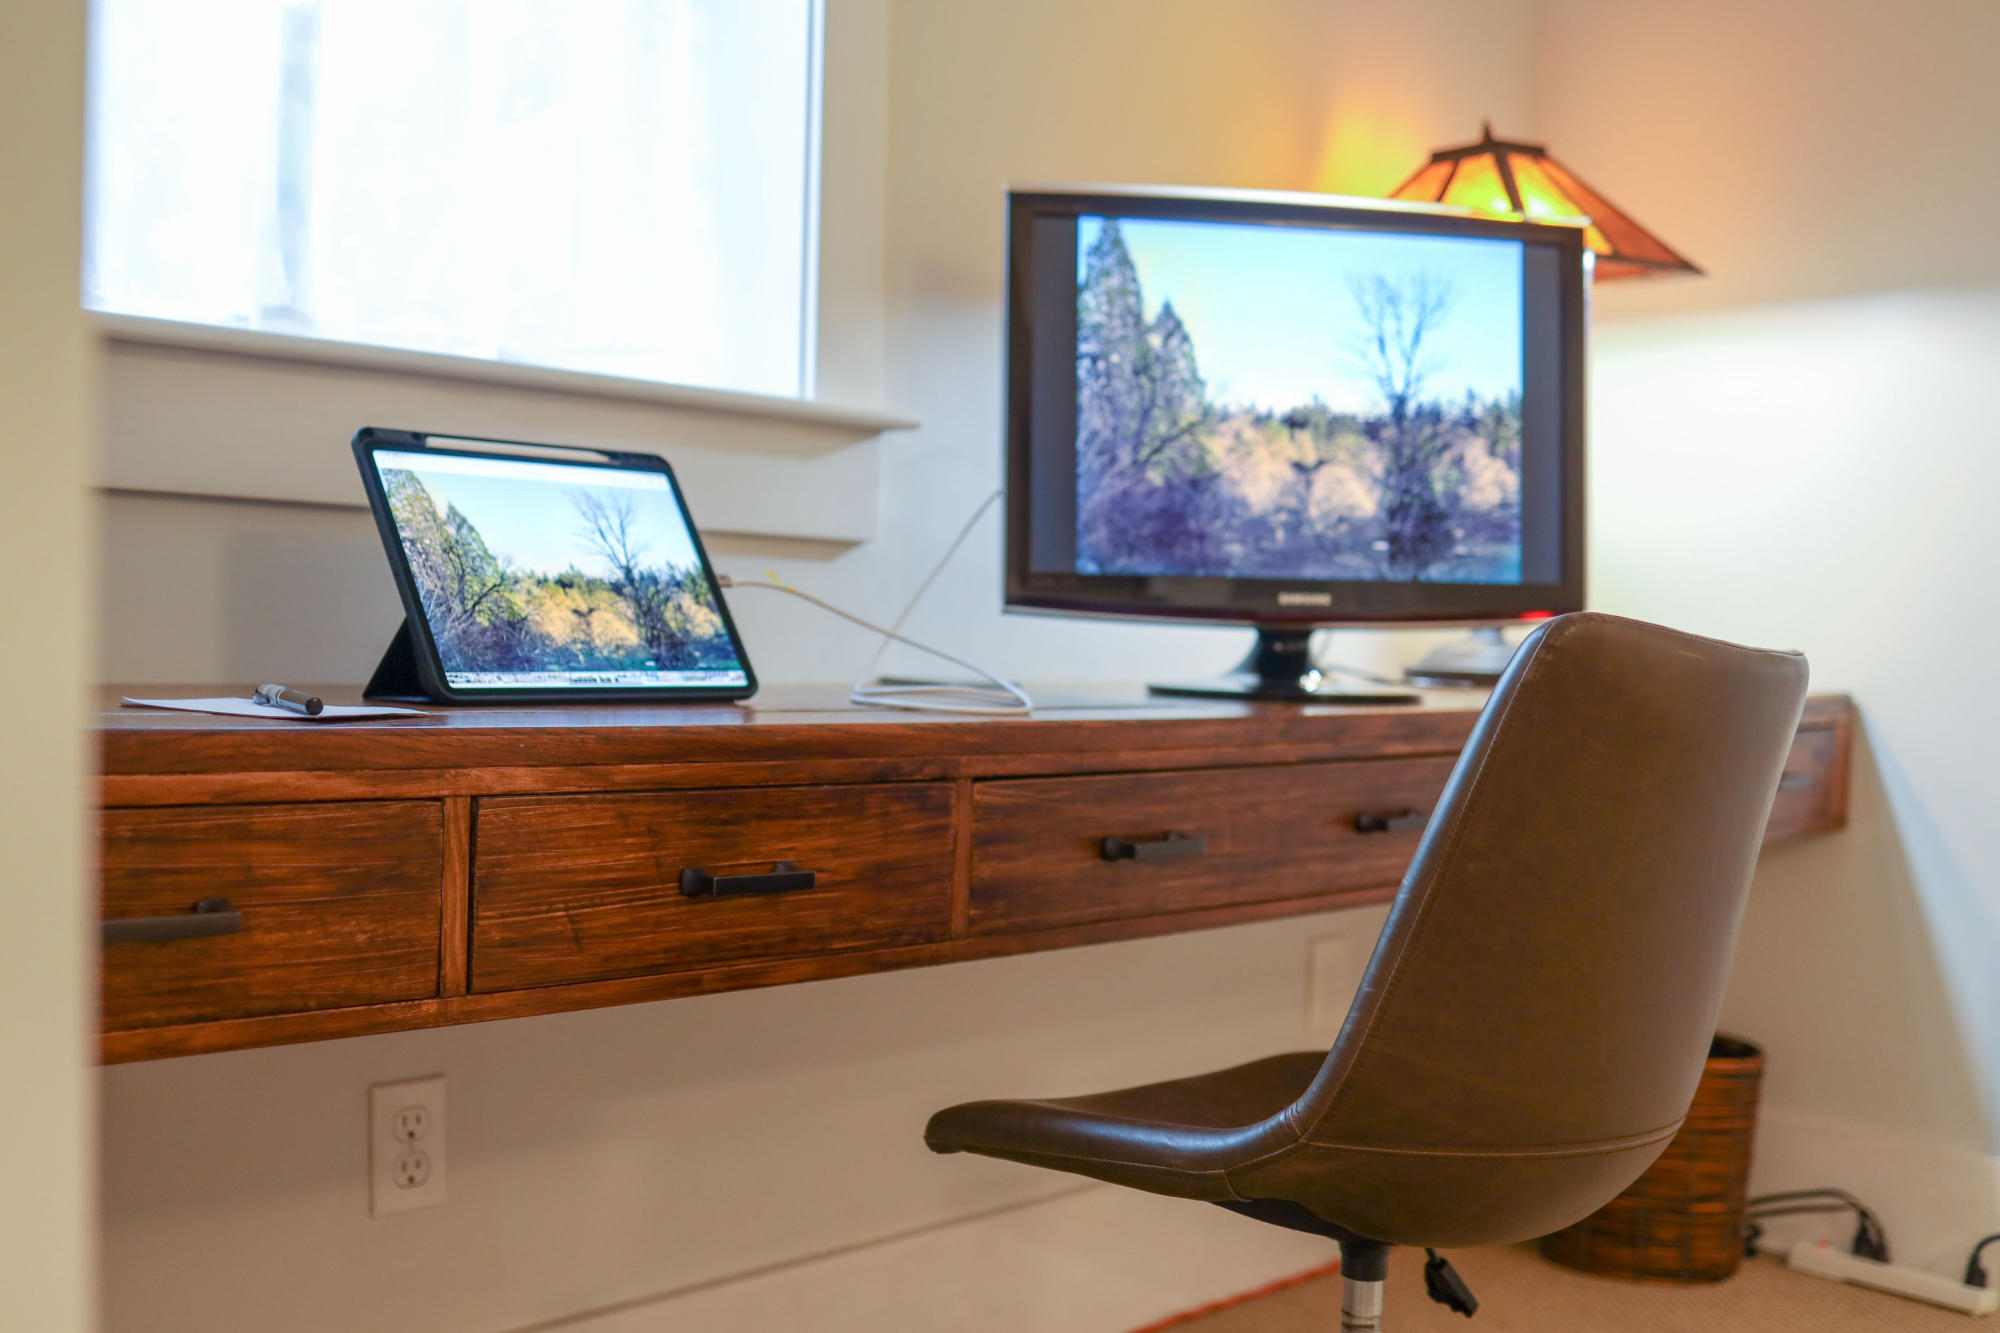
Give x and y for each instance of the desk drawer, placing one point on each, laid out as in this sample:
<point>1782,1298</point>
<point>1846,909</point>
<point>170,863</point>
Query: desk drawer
<point>1040,856</point>
<point>1809,795</point>
<point>337,905</point>
<point>580,888</point>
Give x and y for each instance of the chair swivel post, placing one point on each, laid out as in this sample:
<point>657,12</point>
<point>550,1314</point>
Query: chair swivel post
<point>1364,1266</point>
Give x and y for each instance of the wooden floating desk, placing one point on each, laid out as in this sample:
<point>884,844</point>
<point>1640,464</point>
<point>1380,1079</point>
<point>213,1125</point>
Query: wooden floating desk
<point>489,863</point>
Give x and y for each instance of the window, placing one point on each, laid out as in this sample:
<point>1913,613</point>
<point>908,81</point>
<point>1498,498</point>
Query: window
<point>626,187</point>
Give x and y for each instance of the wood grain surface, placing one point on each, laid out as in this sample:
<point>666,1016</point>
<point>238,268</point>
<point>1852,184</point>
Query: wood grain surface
<point>490,863</point>
<point>238,1034</point>
<point>1278,832</point>
<point>580,888</point>
<point>340,907</point>
<point>1812,796</point>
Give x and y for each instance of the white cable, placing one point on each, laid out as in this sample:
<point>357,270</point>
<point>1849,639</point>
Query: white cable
<point>1339,669</point>
<point>1006,698</point>
<point>925,586</point>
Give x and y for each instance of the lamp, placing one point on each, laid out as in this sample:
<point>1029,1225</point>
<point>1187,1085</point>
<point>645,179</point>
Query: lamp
<point>1498,176</point>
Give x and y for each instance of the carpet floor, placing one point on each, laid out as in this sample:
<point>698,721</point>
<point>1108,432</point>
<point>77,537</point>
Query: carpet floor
<point>1521,1292</point>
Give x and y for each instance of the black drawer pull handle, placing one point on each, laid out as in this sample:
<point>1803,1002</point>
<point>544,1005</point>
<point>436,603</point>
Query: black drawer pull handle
<point>1794,781</point>
<point>1391,821</point>
<point>783,877</point>
<point>211,916</point>
<point>1165,847</point>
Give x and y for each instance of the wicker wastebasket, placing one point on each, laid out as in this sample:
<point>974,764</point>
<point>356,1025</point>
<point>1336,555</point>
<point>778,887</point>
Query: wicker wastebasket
<point>1683,1220</point>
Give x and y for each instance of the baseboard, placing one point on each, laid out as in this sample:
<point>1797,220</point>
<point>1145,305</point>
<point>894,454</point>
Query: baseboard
<point>1934,1199</point>
<point>1095,1260</point>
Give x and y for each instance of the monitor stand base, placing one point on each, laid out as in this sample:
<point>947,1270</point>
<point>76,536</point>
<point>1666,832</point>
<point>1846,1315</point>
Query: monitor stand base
<point>1279,669</point>
<point>1474,662</point>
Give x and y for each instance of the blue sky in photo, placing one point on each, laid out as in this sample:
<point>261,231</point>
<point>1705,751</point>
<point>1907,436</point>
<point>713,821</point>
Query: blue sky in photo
<point>524,512</point>
<point>1273,318</point>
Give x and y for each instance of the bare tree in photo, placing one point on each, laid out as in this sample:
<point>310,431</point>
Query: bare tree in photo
<point>465,588</point>
<point>477,574</point>
<point>1314,432</point>
<point>663,602</point>
<point>1399,320</point>
<point>1176,406</point>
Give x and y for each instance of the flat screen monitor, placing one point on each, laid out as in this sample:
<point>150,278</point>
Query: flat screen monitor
<point>1291,411</point>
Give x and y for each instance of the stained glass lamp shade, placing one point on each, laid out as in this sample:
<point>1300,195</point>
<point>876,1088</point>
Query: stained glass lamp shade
<point>1496,176</point>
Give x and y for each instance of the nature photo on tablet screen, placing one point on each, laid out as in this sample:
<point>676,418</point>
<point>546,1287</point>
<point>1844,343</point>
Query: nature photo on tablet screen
<point>551,574</point>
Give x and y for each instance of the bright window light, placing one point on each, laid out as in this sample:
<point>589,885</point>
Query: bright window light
<point>625,187</point>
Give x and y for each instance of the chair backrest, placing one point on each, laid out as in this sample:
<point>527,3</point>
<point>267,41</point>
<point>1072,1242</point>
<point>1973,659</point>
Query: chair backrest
<point>1552,968</point>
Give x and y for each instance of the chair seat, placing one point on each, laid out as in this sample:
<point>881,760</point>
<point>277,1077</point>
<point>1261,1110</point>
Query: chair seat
<point>1531,1025</point>
<point>1176,1137</point>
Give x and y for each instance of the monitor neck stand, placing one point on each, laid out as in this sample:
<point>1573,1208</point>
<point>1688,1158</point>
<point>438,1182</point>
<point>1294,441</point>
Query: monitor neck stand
<point>1475,661</point>
<point>1280,669</point>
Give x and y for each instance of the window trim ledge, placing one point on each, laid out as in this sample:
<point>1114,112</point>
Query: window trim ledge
<point>114,328</point>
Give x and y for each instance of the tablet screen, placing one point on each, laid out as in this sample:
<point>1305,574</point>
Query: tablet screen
<point>556,576</point>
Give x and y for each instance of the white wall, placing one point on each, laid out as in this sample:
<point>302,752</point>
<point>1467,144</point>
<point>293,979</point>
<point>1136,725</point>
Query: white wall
<point>630,1155</point>
<point>616,1156</point>
<point>47,1097</point>
<point>1798,450</point>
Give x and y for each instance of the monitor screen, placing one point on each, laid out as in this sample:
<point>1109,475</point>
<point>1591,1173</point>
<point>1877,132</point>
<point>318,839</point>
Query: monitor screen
<point>1263,411</point>
<point>556,576</point>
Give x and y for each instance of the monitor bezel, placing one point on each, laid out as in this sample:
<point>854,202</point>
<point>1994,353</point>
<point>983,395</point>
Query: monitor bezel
<point>1256,601</point>
<point>370,440</point>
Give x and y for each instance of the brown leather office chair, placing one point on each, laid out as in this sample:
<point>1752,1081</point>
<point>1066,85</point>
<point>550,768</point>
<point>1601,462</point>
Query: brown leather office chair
<point>1529,1031</point>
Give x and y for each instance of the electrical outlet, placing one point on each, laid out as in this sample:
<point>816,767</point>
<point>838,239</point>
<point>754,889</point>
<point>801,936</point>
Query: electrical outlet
<point>411,1170</point>
<point>1331,980</point>
<point>411,1122</point>
<point>405,1145</point>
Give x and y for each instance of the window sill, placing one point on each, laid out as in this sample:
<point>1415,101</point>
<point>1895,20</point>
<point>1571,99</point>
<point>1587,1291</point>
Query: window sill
<point>326,352</point>
<point>238,415</point>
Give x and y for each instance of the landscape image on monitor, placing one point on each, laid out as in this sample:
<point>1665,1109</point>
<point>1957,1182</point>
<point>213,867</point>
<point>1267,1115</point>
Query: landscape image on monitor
<point>1259,401</point>
<point>519,574</point>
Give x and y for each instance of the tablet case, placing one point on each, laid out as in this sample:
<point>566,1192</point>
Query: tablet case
<point>396,680</point>
<point>409,673</point>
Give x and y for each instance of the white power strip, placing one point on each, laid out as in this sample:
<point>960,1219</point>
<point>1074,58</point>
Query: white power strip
<point>1825,1260</point>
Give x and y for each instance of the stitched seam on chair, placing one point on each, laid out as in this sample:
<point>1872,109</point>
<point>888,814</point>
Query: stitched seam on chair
<point>1591,1148</point>
<point>1473,800</point>
<point>1109,1161</point>
<point>1597,1147</point>
<point>1700,638</point>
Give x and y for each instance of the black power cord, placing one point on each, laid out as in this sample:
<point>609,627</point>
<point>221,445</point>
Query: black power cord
<point>1975,1274</point>
<point>1870,1240</point>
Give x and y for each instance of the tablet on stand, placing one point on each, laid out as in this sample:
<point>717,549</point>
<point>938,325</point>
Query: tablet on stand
<point>533,572</point>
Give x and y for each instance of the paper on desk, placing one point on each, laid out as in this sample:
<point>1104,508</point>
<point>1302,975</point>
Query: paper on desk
<point>251,708</point>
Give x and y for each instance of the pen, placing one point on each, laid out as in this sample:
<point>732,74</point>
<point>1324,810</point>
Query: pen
<point>277,696</point>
